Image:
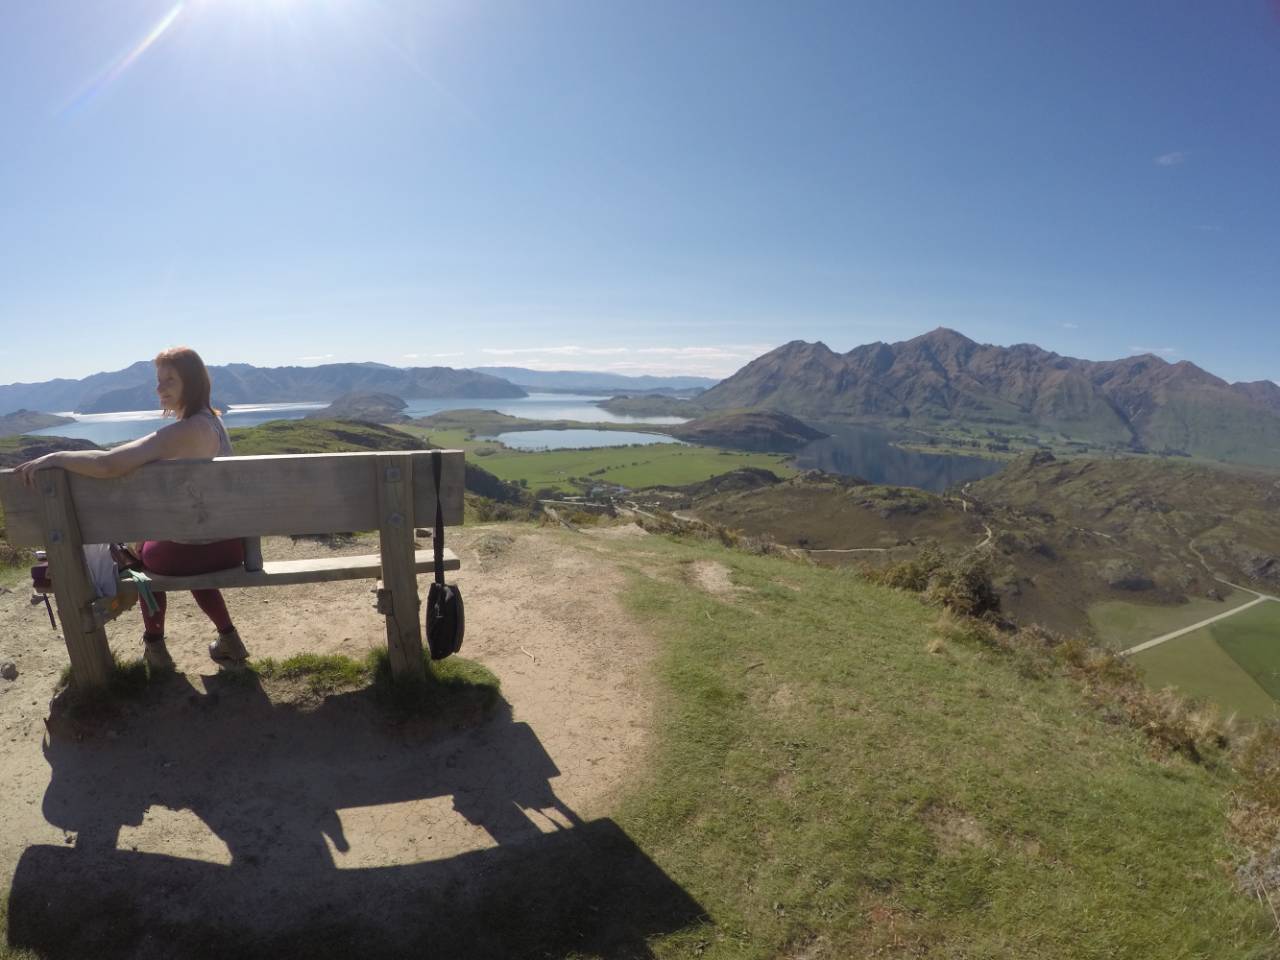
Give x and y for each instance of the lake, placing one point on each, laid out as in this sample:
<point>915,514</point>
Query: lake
<point>107,428</point>
<point>858,451</point>
<point>870,454</point>
<point>576,439</point>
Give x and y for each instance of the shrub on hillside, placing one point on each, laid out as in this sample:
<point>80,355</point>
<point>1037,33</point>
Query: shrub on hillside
<point>483,510</point>
<point>913,574</point>
<point>964,586</point>
<point>11,556</point>
<point>961,584</point>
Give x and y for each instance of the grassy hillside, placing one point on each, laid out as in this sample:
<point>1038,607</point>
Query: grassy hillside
<point>837,778</point>
<point>318,436</point>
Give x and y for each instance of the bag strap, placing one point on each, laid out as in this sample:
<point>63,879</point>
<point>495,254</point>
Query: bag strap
<point>143,584</point>
<point>437,539</point>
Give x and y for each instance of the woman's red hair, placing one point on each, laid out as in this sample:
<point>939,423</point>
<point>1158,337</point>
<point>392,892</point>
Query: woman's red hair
<point>196,385</point>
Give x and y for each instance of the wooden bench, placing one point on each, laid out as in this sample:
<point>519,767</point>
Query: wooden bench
<point>246,497</point>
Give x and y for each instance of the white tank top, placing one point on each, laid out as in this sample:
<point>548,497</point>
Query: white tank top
<point>224,441</point>
<point>224,450</point>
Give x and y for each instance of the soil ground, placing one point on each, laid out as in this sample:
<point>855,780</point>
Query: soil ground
<point>210,769</point>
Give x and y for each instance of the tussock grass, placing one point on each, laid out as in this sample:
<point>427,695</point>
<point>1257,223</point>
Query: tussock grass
<point>322,673</point>
<point>453,686</point>
<point>828,787</point>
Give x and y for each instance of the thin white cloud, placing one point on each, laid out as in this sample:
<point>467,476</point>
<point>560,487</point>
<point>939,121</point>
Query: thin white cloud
<point>1158,351</point>
<point>729,352</point>
<point>1068,325</point>
<point>714,360</point>
<point>1174,158</point>
<point>569,350</point>
<point>316,358</point>
<point>1209,227</point>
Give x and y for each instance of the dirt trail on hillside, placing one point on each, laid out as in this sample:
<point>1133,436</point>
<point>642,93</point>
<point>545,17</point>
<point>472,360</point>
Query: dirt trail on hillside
<point>211,771</point>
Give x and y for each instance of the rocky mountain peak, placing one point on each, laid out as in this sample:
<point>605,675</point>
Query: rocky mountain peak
<point>945,377</point>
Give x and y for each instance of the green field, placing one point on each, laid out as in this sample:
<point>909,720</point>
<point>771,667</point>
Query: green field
<point>1119,624</point>
<point>1252,639</point>
<point>1197,667</point>
<point>644,465</point>
<point>638,466</point>
<point>1234,663</point>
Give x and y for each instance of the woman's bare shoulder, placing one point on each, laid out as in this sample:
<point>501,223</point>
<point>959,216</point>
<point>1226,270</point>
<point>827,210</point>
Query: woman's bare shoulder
<point>193,437</point>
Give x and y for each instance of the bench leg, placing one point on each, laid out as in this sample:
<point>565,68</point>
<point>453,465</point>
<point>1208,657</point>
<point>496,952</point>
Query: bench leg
<point>91,662</point>
<point>395,513</point>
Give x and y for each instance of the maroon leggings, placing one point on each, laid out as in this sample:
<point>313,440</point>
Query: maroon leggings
<point>186,559</point>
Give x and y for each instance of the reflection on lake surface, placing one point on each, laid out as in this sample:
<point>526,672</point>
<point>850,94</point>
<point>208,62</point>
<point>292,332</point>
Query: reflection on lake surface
<point>536,406</point>
<point>869,453</point>
<point>105,428</point>
<point>575,439</point>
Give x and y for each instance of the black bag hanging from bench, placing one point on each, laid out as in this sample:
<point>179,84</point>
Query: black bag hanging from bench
<point>445,622</point>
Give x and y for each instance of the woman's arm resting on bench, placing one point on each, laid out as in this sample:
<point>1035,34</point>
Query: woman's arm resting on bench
<point>186,438</point>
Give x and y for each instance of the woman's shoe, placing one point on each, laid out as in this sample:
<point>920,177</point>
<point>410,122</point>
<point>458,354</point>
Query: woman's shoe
<point>156,655</point>
<point>228,649</point>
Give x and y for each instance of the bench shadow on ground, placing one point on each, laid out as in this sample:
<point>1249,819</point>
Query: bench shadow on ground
<point>269,781</point>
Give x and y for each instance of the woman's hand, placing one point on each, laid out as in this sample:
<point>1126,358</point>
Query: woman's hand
<point>27,471</point>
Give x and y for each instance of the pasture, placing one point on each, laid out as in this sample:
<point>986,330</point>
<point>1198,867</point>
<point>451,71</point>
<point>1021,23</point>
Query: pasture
<point>1234,663</point>
<point>1120,624</point>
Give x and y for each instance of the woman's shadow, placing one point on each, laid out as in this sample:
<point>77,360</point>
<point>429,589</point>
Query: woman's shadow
<point>269,781</point>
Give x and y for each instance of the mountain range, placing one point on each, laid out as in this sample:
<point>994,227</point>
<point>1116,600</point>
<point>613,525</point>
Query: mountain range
<point>943,379</point>
<point>133,388</point>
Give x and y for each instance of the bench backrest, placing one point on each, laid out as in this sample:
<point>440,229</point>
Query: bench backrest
<point>231,497</point>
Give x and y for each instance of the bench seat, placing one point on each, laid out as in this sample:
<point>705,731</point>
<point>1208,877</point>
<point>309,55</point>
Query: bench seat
<point>283,573</point>
<point>248,498</point>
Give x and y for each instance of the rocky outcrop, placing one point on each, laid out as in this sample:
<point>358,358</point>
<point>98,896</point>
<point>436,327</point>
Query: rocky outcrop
<point>369,407</point>
<point>764,432</point>
<point>24,421</point>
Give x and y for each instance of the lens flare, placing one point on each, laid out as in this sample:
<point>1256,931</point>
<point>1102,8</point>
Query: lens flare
<point>123,63</point>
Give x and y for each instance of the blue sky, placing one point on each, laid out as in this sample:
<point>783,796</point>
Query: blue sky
<point>645,187</point>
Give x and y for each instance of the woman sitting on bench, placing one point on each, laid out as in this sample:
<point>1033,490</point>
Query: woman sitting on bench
<point>182,384</point>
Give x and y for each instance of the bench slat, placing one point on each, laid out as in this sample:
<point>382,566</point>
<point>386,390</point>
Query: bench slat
<point>230,497</point>
<point>281,573</point>
<point>284,573</point>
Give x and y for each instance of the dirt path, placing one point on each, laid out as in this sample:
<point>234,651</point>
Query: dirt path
<point>217,772</point>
